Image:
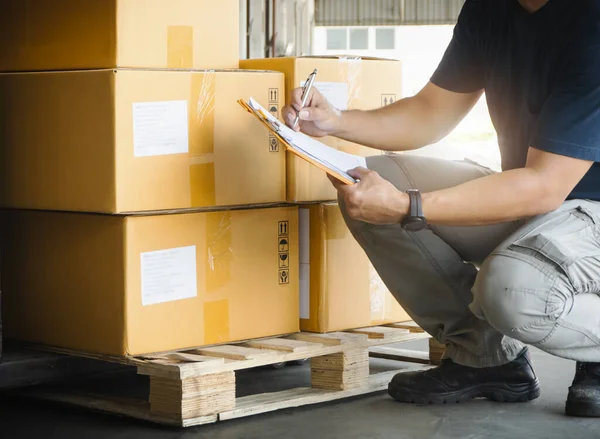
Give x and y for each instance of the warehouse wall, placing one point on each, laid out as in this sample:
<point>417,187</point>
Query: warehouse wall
<point>386,12</point>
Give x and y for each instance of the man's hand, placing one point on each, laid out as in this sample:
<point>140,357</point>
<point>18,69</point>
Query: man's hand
<point>373,199</point>
<point>318,118</point>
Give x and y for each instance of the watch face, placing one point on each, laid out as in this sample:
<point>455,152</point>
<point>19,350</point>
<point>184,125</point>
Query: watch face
<point>414,224</point>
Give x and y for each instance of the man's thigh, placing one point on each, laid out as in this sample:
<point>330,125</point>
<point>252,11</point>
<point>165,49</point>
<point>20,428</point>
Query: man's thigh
<point>428,174</point>
<point>566,241</point>
<point>544,277</point>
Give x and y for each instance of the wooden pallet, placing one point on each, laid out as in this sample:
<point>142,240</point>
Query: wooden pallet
<point>197,386</point>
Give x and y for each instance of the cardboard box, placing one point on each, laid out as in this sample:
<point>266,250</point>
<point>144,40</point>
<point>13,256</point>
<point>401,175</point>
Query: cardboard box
<point>339,288</point>
<point>121,285</point>
<point>117,141</point>
<point>349,83</point>
<point>40,35</point>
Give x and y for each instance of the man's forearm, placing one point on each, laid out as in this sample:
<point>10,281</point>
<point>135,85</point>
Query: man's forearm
<point>409,123</point>
<point>502,197</point>
<point>402,126</point>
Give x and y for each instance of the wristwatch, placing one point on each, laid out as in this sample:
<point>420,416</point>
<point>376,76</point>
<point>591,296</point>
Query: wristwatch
<point>415,220</point>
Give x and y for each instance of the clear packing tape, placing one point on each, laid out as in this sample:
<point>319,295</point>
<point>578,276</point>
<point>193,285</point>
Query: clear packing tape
<point>219,253</point>
<point>350,67</point>
<point>202,139</point>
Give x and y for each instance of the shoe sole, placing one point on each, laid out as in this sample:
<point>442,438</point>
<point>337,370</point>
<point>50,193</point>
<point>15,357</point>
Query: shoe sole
<point>500,392</point>
<point>582,409</point>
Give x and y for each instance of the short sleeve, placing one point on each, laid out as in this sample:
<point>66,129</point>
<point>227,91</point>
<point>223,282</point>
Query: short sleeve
<point>461,68</point>
<point>569,122</point>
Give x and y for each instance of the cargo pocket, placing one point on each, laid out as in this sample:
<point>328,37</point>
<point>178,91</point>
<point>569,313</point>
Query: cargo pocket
<point>569,241</point>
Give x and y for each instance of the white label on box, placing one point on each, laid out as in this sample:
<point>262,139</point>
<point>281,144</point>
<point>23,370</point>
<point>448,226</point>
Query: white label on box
<point>304,254</point>
<point>160,128</point>
<point>168,275</point>
<point>335,92</point>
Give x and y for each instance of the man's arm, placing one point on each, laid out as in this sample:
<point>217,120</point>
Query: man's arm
<point>540,187</point>
<point>407,124</point>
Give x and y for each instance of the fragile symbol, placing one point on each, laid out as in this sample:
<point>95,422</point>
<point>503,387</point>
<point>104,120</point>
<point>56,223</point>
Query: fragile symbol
<point>284,260</point>
<point>284,277</point>
<point>284,245</point>
<point>387,99</point>
<point>273,144</point>
<point>274,110</point>
<point>283,228</point>
<point>273,96</point>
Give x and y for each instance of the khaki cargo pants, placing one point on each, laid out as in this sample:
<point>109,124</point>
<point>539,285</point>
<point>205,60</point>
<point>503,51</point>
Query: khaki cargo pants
<point>483,291</point>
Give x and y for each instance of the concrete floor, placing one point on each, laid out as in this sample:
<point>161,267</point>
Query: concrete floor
<point>371,417</point>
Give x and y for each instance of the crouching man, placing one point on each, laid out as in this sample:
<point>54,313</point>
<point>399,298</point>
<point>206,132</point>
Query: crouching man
<point>533,230</point>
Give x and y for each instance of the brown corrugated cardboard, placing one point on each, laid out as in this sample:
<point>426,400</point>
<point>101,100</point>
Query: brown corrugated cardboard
<point>339,288</point>
<point>117,141</point>
<point>138,284</point>
<point>83,34</point>
<point>349,83</point>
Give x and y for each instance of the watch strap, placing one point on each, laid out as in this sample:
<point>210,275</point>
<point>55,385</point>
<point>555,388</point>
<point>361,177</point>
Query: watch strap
<point>416,203</point>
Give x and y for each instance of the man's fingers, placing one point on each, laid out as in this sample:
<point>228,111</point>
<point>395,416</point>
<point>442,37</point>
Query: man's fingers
<point>358,173</point>
<point>336,183</point>
<point>313,114</point>
<point>315,98</point>
<point>289,116</point>
<point>296,100</point>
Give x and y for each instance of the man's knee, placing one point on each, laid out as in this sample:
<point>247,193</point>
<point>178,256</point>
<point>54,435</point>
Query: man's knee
<point>518,299</point>
<point>393,168</point>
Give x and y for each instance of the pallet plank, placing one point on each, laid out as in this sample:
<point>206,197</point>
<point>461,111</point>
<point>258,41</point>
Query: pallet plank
<point>194,358</point>
<point>380,332</point>
<point>411,326</point>
<point>284,344</point>
<point>399,354</point>
<point>268,402</point>
<point>333,338</point>
<point>186,370</point>
<point>400,338</point>
<point>235,352</point>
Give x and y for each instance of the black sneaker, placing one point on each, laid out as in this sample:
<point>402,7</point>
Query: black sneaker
<point>584,393</point>
<point>451,382</point>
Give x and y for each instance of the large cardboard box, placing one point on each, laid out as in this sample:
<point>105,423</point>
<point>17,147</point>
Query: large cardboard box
<point>121,285</point>
<point>350,83</point>
<point>339,288</point>
<point>117,141</point>
<point>95,34</point>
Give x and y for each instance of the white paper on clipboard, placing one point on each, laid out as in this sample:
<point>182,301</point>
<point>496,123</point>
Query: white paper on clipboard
<point>334,160</point>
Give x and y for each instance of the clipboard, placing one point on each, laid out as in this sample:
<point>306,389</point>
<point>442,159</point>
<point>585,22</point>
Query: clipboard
<point>330,170</point>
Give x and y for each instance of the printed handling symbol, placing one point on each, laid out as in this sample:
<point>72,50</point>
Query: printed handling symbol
<point>284,277</point>
<point>283,228</point>
<point>284,245</point>
<point>284,260</point>
<point>387,99</point>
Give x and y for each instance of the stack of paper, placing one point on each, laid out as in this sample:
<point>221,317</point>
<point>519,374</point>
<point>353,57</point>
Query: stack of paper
<point>334,162</point>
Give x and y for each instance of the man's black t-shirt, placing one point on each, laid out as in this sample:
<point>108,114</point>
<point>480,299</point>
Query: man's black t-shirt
<point>541,75</point>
